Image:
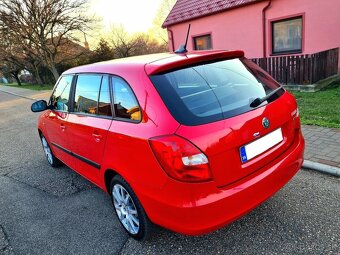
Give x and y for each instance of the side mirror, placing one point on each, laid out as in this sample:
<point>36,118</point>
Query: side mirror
<point>39,106</point>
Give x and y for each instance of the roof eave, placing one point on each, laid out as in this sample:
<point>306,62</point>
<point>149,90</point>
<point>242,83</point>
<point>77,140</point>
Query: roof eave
<point>164,25</point>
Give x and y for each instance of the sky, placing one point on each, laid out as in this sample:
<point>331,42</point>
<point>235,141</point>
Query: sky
<point>134,15</point>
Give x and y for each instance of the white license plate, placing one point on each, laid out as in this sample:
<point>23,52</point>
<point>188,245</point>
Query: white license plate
<point>259,146</point>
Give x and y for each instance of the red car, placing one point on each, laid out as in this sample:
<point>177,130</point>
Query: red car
<point>190,142</point>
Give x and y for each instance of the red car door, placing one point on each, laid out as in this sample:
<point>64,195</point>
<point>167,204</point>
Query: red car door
<point>89,122</point>
<point>55,121</point>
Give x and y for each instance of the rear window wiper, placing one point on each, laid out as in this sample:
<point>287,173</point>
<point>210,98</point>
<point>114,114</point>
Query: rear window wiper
<point>256,102</point>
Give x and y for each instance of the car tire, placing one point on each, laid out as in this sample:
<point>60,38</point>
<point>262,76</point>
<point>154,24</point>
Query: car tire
<point>129,210</point>
<point>51,159</point>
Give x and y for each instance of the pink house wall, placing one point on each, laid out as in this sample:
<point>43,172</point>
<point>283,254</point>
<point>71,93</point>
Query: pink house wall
<point>236,29</point>
<point>241,28</point>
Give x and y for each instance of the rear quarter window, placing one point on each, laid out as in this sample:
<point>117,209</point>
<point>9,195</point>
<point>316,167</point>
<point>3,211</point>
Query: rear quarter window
<point>126,106</point>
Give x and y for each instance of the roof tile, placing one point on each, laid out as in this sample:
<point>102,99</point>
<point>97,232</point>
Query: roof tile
<point>185,10</point>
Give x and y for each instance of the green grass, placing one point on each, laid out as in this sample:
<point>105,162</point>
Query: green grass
<point>320,108</point>
<point>31,86</point>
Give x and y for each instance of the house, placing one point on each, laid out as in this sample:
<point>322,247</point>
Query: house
<point>70,51</point>
<point>262,28</point>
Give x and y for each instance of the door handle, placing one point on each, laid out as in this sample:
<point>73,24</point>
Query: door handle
<point>62,127</point>
<point>97,137</point>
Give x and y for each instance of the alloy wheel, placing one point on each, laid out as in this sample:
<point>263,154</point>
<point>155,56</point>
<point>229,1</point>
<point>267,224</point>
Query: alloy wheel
<point>125,208</point>
<point>47,150</point>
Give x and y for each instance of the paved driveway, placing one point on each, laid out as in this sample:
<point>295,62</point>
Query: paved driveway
<point>55,211</point>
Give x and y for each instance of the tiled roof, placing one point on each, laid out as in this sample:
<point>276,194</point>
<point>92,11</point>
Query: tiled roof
<point>185,10</point>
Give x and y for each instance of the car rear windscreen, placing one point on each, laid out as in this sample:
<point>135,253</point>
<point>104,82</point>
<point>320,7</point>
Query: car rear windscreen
<point>209,92</point>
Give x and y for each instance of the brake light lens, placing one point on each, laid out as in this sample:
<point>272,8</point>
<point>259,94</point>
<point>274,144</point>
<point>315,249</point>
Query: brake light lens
<point>295,113</point>
<point>296,117</point>
<point>180,159</point>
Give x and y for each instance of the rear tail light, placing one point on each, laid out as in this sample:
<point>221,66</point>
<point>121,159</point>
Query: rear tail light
<point>295,114</point>
<point>181,159</point>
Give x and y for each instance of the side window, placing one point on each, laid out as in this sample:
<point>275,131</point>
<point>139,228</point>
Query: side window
<point>125,102</point>
<point>104,104</point>
<point>86,94</point>
<point>60,96</point>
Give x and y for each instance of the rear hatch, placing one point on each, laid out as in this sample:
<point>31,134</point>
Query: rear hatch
<point>212,101</point>
<point>222,141</point>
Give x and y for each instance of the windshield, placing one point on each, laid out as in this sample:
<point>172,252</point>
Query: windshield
<point>214,91</point>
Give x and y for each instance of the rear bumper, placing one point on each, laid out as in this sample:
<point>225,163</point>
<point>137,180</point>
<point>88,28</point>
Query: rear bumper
<point>195,209</point>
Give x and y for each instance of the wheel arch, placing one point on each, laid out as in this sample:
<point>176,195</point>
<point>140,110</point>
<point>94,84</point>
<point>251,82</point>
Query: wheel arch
<point>108,175</point>
<point>40,132</point>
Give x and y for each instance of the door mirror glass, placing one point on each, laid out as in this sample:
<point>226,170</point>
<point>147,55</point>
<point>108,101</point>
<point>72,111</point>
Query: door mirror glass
<point>39,106</point>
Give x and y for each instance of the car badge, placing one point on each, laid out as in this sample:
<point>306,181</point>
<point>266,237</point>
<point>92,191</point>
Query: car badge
<point>265,122</point>
<point>257,134</point>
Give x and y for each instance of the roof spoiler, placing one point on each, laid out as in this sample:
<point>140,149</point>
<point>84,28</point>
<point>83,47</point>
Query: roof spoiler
<point>181,61</point>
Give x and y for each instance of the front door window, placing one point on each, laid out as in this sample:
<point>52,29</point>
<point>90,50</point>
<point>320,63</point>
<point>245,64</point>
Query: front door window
<point>60,96</point>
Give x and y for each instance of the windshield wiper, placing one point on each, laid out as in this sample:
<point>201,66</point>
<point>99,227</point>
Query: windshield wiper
<point>259,101</point>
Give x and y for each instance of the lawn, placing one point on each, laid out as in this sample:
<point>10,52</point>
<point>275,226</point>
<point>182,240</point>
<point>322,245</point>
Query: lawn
<point>320,108</point>
<point>31,86</point>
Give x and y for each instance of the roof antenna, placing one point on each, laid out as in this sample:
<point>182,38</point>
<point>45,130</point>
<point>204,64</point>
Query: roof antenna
<point>183,48</point>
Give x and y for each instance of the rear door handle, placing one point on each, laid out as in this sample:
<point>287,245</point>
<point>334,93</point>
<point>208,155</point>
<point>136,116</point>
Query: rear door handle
<point>97,137</point>
<point>62,126</point>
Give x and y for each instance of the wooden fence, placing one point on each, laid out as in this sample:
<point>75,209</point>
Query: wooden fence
<point>301,69</point>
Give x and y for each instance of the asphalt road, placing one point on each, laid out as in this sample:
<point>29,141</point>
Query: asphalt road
<point>55,211</point>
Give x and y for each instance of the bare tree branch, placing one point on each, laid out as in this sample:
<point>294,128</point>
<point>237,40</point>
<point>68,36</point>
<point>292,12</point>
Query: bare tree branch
<point>41,27</point>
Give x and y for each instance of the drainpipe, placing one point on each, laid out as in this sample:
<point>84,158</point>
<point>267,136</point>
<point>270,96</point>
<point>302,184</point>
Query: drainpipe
<point>264,28</point>
<point>172,39</point>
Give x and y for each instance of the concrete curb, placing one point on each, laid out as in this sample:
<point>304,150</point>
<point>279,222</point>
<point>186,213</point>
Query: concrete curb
<point>17,95</point>
<point>332,170</point>
<point>37,95</point>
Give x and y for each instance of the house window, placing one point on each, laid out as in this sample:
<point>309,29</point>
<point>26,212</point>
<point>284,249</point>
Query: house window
<point>287,36</point>
<point>202,42</point>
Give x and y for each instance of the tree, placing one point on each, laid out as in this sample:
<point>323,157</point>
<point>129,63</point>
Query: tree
<point>121,41</point>
<point>162,12</point>
<point>18,54</point>
<point>102,52</point>
<point>11,57</point>
<point>125,45</point>
<point>11,70</point>
<point>145,44</point>
<point>43,25</point>
<point>9,65</point>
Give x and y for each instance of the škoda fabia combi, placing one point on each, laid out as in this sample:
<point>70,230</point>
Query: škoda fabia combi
<point>188,141</point>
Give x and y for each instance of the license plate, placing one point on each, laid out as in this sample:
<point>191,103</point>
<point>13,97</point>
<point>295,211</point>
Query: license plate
<point>259,146</point>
